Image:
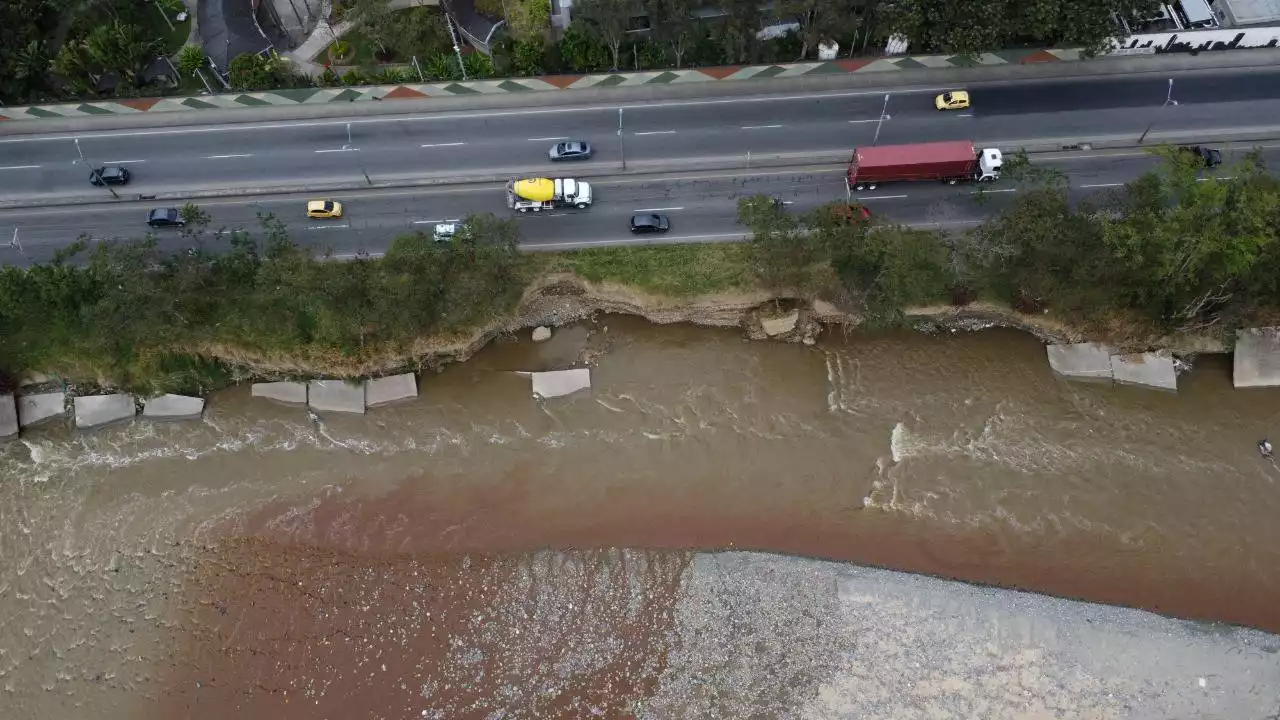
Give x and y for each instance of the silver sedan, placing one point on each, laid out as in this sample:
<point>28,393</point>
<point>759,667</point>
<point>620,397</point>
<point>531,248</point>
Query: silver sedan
<point>571,150</point>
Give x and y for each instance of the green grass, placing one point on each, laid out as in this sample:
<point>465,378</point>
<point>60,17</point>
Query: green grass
<point>153,25</point>
<point>363,49</point>
<point>670,270</point>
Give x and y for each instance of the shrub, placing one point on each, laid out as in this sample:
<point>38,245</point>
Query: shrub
<point>190,59</point>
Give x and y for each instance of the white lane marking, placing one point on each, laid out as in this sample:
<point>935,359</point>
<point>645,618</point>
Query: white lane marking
<point>1232,177</point>
<point>656,132</point>
<point>886,117</point>
<point>469,116</point>
<point>122,162</point>
<point>880,197</point>
<point>19,167</point>
<point>547,139</point>
<point>760,127</point>
<point>657,209</point>
<point>966,115</point>
<point>327,227</point>
<point>455,144</point>
<point>984,192</point>
<point>337,150</point>
<point>432,222</point>
<point>1102,185</point>
<point>220,157</point>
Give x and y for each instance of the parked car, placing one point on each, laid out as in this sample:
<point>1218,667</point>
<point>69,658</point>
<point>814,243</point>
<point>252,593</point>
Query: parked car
<point>649,223</point>
<point>165,217</point>
<point>114,175</point>
<point>1209,156</point>
<point>324,209</point>
<point>571,150</point>
<point>954,100</point>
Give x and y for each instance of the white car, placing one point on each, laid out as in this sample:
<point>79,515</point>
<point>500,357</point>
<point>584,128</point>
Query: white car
<point>444,232</point>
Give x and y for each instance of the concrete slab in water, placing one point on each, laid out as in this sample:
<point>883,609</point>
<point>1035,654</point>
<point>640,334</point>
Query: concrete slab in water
<point>1257,358</point>
<point>37,408</point>
<point>1154,370</point>
<point>336,396</point>
<point>94,410</point>
<point>173,407</point>
<point>1090,361</point>
<point>380,391</point>
<point>8,416</point>
<point>294,393</point>
<point>558,383</point>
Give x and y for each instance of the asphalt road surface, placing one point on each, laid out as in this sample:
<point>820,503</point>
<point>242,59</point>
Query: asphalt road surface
<point>702,208</point>
<point>294,153</point>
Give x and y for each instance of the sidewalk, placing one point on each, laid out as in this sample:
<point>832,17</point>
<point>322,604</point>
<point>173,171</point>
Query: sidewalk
<point>888,74</point>
<point>304,56</point>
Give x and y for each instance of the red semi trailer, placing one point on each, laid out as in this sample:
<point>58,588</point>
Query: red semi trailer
<point>949,162</point>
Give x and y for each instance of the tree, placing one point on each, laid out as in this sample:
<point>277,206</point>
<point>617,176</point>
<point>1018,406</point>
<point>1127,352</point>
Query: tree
<point>420,33</point>
<point>817,19</point>
<point>375,19</point>
<point>673,25</point>
<point>970,27</point>
<point>739,33</point>
<point>1187,240</point>
<point>609,20</point>
<point>784,256</point>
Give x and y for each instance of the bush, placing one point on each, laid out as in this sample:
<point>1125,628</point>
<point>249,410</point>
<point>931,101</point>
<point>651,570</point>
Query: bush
<point>478,65</point>
<point>441,66</point>
<point>353,77</point>
<point>528,57</point>
<point>190,59</point>
<point>582,52</point>
<point>251,71</point>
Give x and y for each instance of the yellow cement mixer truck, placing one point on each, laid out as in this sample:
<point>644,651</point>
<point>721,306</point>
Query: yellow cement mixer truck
<point>538,194</point>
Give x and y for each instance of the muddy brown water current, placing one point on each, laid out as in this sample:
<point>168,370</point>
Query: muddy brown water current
<point>454,555</point>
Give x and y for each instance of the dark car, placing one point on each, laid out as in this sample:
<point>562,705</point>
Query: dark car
<point>649,223</point>
<point>1210,157</point>
<point>165,217</point>
<point>109,176</point>
<point>571,151</point>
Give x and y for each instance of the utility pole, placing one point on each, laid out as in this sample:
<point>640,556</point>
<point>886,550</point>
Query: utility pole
<point>883,116</point>
<point>96,171</point>
<point>1168,100</point>
<point>622,143</point>
<point>453,33</point>
<point>350,146</point>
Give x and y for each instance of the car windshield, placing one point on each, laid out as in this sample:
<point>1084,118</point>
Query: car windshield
<point>328,206</point>
<point>947,97</point>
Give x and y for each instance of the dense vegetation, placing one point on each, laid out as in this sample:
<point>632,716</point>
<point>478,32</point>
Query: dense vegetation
<point>135,313</point>
<point>56,49</point>
<point>1176,250</point>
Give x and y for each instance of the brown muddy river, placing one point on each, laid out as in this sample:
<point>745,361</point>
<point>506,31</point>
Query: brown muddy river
<point>256,562</point>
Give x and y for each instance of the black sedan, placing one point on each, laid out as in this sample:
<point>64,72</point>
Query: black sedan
<point>571,150</point>
<point>109,176</point>
<point>649,223</point>
<point>1211,157</point>
<point>166,217</point>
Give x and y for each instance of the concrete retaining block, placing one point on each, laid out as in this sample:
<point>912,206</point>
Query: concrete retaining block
<point>1256,361</point>
<point>1084,361</point>
<point>33,409</point>
<point>95,410</point>
<point>336,396</point>
<point>558,383</point>
<point>383,390</point>
<point>8,416</point>
<point>1155,370</point>
<point>173,407</point>
<point>293,393</point>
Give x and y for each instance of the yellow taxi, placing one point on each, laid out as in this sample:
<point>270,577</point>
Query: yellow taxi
<point>954,100</point>
<point>324,209</point>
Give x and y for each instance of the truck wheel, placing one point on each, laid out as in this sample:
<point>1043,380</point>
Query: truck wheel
<point>952,181</point>
<point>537,209</point>
<point>872,186</point>
<point>583,206</point>
<point>859,188</point>
<point>522,210</point>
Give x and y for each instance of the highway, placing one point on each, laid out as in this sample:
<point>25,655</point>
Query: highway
<point>267,155</point>
<point>702,208</point>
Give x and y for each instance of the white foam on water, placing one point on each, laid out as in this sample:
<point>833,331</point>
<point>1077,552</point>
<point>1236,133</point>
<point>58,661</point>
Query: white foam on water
<point>897,442</point>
